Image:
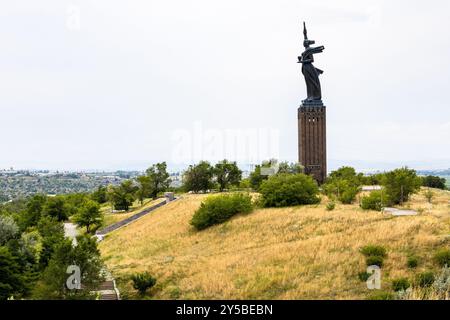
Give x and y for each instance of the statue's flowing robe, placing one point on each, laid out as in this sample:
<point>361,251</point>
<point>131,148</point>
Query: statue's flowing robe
<point>311,75</point>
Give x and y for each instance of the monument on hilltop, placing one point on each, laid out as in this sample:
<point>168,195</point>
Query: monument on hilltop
<point>312,116</point>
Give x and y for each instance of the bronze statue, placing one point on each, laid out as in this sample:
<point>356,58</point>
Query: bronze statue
<point>310,72</point>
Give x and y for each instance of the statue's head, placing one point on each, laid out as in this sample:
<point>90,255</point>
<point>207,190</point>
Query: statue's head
<point>307,43</point>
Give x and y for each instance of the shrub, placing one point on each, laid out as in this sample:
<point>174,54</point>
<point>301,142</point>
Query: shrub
<point>412,262</point>
<point>364,276</point>
<point>442,257</point>
<point>441,283</point>
<point>429,195</point>
<point>330,206</point>
<point>374,261</point>
<point>143,281</point>
<point>348,195</point>
<point>425,279</point>
<point>381,295</point>
<point>373,201</point>
<point>400,284</point>
<point>218,209</point>
<point>284,190</point>
<point>373,250</point>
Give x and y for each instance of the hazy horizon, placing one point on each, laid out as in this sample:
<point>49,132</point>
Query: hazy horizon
<point>360,166</point>
<point>103,85</point>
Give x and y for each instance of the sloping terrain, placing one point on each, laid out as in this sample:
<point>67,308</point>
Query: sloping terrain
<point>290,253</point>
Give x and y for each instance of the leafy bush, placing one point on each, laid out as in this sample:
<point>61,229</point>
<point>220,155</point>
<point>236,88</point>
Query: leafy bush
<point>400,284</point>
<point>381,295</point>
<point>348,195</point>
<point>218,209</point>
<point>429,195</point>
<point>364,276</point>
<point>442,257</point>
<point>425,279</point>
<point>374,261</point>
<point>374,255</point>
<point>284,190</point>
<point>412,262</point>
<point>441,283</point>
<point>373,250</point>
<point>143,281</point>
<point>330,206</point>
<point>373,201</point>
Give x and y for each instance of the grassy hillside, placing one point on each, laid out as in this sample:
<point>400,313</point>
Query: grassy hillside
<point>291,253</point>
<point>111,218</point>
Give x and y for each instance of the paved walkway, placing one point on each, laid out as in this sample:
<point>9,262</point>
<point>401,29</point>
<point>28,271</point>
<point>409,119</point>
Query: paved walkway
<point>400,212</point>
<point>120,224</point>
<point>70,231</point>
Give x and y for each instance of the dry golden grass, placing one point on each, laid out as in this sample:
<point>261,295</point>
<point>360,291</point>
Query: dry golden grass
<point>290,253</point>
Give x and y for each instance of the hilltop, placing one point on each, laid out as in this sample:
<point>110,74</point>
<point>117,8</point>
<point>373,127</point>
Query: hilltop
<point>302,252</point>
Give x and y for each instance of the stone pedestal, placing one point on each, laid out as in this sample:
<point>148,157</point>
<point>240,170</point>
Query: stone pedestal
<point>312,142</point>
<point>170,196</point>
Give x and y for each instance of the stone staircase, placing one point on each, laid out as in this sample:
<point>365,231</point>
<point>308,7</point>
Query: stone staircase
<point>108,289</point>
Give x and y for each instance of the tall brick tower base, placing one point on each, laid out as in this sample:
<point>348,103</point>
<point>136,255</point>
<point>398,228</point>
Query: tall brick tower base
<point>312,141</point>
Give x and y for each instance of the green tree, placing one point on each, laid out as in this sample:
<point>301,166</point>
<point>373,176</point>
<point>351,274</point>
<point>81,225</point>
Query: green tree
<point>11,280</point>
<point>57,208</point>
<point>100,195</point>
<point>343,184</point>
<point>31,246</point>
<point>33,211</point>
<point>85,255</point>
<point>144,188</point>
<point>258,176</point>
<point>343,173</point>
<point>198,177</point>
<point>159,178</point>
<point>8,229</point>
<point>52,232</point>
<point>434,182</point>
<point>122,196</point>
<point>73,201</point>
<point>89,215</point>
<point>399,184</point>
<point>291,168</point>
<point>227,173</point>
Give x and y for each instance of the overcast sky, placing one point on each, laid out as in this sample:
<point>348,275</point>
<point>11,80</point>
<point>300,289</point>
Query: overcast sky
<point>112,84</point>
